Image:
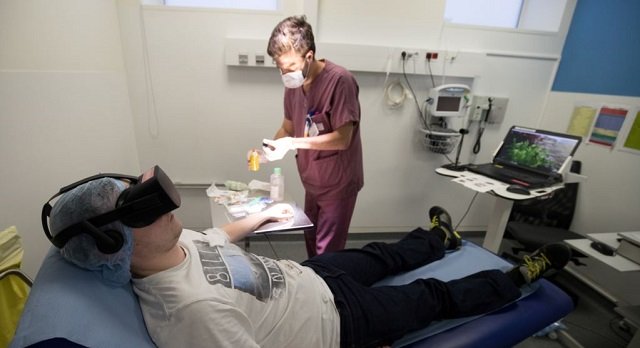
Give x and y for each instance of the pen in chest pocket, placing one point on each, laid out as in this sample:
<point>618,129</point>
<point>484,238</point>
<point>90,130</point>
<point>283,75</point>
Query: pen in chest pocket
<point>308,122</point>
<point>311,129</point>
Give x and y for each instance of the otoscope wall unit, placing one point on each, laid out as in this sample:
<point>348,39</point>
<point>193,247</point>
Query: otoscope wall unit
<point>488,109</point>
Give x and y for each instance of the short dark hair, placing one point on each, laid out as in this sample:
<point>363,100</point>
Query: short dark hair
<point>291,33</point>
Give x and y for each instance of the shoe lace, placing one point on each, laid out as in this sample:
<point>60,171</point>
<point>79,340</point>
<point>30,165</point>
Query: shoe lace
<point>435,221</point>
<point>536,265</point>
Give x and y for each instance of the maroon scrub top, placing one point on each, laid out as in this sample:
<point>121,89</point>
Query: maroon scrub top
<point>331,102</point>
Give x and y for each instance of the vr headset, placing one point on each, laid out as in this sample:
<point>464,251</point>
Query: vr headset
<point>140,205</point>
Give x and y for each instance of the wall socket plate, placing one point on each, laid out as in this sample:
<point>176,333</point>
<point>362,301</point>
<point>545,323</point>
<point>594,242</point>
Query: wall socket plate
<point>480,106</point>
<point>243,58</point>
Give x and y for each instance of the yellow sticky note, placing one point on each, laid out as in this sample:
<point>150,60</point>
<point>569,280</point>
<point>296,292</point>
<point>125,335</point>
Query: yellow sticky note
<point>581,120</point>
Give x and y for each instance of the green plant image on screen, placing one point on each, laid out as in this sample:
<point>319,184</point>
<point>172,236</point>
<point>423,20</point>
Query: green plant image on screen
<point>528,154</point>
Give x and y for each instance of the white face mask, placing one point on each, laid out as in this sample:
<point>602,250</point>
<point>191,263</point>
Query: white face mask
<point>293,79</point>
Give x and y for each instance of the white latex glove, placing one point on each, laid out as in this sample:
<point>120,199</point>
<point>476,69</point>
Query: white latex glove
<point>276,149</point>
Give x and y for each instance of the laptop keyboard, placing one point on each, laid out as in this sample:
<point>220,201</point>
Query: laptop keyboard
<point>509,175</point>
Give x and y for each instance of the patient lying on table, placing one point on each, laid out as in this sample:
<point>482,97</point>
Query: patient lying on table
<point>199,289</point>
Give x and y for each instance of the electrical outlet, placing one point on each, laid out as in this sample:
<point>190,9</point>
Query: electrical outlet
<point>259,59</point>
<point>406,55</point>
<point>243,58</point>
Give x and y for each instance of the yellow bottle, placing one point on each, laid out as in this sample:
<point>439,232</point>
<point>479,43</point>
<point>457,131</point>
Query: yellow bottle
<point>254,161</point>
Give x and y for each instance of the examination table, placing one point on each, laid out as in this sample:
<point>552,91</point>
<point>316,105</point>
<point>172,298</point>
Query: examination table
<point>70,307</point>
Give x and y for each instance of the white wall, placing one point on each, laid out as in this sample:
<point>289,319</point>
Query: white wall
<point>205,115</point>
<point>90,86</point>
<point>64,107</point>
<point>609,200</point>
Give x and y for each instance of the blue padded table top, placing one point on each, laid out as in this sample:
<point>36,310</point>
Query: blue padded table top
<point>541,304</point>
<point>100,316</point>
<point>509,325</point>
<point>75,308</point>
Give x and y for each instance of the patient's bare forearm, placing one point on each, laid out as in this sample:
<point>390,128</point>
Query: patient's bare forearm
<point>239,229</point>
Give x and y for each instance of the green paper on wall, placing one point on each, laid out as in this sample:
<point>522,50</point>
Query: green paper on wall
<point>633,139</point>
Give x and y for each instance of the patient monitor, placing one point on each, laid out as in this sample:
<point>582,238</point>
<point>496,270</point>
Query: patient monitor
<point>449,100</point>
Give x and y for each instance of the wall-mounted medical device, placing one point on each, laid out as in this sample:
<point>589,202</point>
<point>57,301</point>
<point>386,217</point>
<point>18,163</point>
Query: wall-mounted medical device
<point>447,105</point>
<point>449,100</point>
<point>488,109</point>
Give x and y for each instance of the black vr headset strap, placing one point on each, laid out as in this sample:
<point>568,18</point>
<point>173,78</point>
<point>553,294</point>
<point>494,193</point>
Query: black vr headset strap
<point>46,211</point>
<point>107,241</point>
<point>95,177</point>
<point>61,238</point>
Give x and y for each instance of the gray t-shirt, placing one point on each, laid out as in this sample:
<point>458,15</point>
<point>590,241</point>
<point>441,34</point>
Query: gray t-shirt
<point>222,296</point>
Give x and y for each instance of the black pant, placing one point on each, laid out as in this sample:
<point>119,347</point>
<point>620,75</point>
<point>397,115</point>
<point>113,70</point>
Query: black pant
<point>374,316</point>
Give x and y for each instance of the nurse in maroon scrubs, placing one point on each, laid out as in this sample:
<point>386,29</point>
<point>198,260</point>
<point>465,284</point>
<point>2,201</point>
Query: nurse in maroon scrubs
<point>322,123</point>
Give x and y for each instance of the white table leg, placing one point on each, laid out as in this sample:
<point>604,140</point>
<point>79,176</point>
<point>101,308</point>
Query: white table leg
<point>497,224</point>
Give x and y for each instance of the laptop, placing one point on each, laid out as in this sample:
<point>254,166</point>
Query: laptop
<point>532,158</point>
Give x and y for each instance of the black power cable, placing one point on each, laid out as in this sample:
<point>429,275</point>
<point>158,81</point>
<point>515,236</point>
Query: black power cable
<point>466,212</point>
<point>415,99</point>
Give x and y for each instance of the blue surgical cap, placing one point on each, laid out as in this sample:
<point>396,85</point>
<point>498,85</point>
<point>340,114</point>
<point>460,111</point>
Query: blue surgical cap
<point>84,202</point>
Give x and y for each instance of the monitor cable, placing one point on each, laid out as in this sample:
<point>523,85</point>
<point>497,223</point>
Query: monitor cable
<point>275,254</point>
<point>433,83</point>
<point>466,212</point>
<point>415,99</point>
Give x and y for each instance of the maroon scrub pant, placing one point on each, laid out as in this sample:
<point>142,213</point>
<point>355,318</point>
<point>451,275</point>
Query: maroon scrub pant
<point>331,219</point>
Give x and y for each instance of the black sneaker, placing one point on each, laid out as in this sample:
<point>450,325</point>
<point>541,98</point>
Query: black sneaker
<point>550,256</point>
<point>441,219</point>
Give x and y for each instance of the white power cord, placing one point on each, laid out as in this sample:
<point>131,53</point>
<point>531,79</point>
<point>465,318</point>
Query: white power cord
<point>395,93</point>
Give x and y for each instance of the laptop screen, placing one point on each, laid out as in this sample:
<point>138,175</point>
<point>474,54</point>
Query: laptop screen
<point>536,150</point>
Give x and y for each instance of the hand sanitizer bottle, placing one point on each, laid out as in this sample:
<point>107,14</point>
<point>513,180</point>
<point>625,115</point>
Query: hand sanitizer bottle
<point>277,185</point>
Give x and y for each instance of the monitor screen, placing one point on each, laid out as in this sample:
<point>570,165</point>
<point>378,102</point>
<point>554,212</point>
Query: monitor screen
<point>445,103</point>
<point>449,100</point>
<point>537,150</point>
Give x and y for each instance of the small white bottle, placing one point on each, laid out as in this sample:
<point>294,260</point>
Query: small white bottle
<point>277,185</point>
